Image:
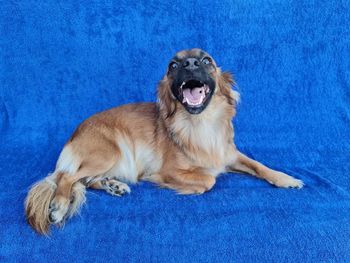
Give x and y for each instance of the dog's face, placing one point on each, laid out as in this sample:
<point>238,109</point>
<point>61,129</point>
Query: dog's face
<point>191,75</point>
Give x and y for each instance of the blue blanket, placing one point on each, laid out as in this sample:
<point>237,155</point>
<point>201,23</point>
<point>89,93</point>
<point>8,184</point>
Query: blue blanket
<point>61,62</point>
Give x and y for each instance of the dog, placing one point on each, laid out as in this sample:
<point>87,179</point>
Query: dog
<point>182,142</point>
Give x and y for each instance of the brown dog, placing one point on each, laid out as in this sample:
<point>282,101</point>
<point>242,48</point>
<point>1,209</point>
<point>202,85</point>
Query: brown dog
<point>183,142</point>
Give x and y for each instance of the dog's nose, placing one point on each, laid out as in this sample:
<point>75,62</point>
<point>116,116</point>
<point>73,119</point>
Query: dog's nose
<point>191,63</point>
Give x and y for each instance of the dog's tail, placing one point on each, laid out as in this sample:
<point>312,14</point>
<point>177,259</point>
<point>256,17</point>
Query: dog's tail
<point>38,200</point>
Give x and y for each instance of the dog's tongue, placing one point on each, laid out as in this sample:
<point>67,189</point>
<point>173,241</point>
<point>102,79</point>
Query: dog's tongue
<point>194,96</point>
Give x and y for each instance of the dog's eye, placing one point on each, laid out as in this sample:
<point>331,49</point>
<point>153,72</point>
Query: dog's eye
<point>206,61</point>
<point>173,65</point>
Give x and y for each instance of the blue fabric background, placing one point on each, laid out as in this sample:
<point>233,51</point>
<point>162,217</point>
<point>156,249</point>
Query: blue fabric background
<point>60,62</point>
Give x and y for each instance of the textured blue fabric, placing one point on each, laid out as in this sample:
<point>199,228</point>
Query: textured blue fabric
<point>60,62</point>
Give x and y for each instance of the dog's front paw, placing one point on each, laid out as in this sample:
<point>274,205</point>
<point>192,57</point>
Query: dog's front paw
<point>285,181</point>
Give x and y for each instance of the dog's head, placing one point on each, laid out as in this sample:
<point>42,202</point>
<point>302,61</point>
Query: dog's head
<point>192,79</point>
<point>192,76</point>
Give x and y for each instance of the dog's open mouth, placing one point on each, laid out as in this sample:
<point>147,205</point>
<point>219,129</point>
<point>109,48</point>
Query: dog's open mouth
<point>194,93</point>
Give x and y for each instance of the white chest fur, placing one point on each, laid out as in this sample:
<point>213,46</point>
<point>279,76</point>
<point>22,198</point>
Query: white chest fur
<point>205,137</point>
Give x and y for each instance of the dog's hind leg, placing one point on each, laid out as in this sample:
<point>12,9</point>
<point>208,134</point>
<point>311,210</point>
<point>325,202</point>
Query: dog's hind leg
<point>93,163</point>
<point>111,186</point>
<point>60,205</point>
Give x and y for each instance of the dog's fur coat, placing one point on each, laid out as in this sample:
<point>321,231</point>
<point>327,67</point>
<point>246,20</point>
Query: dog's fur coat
<point>172,143</point>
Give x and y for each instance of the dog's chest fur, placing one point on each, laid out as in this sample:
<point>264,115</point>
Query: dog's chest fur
<point>206,139</point>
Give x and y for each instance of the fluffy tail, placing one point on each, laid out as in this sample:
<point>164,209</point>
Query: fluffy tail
<point>38,201</point>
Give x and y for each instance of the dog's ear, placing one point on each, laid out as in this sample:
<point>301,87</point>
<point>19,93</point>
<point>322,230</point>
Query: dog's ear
<point>166,103</point>
<point>225,83</point>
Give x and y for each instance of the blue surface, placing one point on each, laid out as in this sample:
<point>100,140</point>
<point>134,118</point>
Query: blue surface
<point>60,62</point>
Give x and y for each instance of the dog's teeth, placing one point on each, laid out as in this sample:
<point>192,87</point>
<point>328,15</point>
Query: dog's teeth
<point>193,103</point>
